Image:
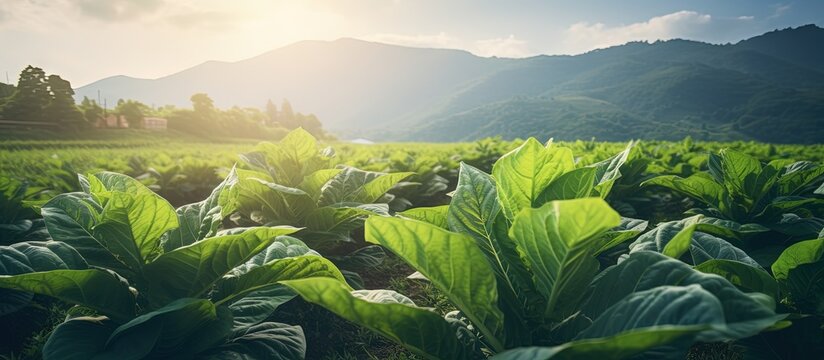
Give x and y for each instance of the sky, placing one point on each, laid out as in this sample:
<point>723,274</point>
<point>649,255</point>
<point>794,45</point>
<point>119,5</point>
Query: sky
<point>86,40</point>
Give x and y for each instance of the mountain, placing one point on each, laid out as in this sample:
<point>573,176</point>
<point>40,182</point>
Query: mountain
<point>768,88</point>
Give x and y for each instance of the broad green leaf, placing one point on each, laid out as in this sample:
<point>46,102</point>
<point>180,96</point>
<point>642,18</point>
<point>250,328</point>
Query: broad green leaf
<point>558,241</point>
<point>744,314</point>
<point>338,220</point>
<point>609,170</point>
<point>198,220</point>
<point>269,340</point>
<point>110,181</point>
<point>628,229</point>
<point>374,189</point>
<point>800,272</point>
<point>575,184</point>
<point>684,236</point>
<point>699,186</point>
<point>180,329</point>
<point>621,346</point>
<point>452,262</point>
<point>191,270</point>
<point>740,172</point>
<point>70,218</point>
<point>29,257</point>
<point>96,289</point>
<point>663,305</point>
<point>233,288</point>
<point>79,338</point>
<point>259,305</point>
<point>419,330</point>
<point>313,183</point>
<point>435,215</point>
<point>522,174</point>
<point>357,186</point>
<point>746,277</point>
<point>131,226</point>
<point>793,182</point>
<point>283,247</point>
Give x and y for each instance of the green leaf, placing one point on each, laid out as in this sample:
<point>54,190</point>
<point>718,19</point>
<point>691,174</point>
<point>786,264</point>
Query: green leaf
<point>313,183</point>
<point>744,314</point>
<point>110,181</point>
<point>198,220</point>
<point>419,330</point>
<point>451,261</point>
<point>97,289</point>
<point>558,242</point>
<point>435,215</point>
<point>259,305</point>
<point>185,326</point>
<point>78,339</point>
<point>683,236</point>
<point>233,288</point>
<point>29,257</point>
<point>269,340</point>
<point>609,171</point>
<point>522,174</point>
<point>70,218</point>
<point>374,189</point>
<point>576,184</point>
<point>131,226</point>
<point>628,229</point>
<point>746,277</point>
<point>621,346</point>
<point>800,272</point>
<point>191,270</point>
<point>699,186</point>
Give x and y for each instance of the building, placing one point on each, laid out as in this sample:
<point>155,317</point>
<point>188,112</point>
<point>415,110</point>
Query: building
<point>119,122</point>
<point>154,123</point>
<point>113,122</point>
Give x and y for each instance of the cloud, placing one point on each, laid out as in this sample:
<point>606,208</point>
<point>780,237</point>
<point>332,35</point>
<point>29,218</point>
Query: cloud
<point>583,36</point>
<point>779,9</point>
<point>746,18</point>
<point>115,10</point>
<point>440,40</point>
<point>203,20</point>
<point>508,47</point>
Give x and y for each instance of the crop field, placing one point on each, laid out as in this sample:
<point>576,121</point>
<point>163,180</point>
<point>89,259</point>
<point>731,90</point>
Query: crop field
<point>302,248</point>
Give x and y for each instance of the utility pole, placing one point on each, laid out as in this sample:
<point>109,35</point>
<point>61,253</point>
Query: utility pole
<point>7,78</point>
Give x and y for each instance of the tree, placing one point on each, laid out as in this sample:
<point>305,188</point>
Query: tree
<point>62,108</point>
<point>203,104</point>
<point>30,98</point>
<point>286,118</point>
<point>133,111</point>
<point>92,111</point>
<point>311,124</point>
<point>271,113</point>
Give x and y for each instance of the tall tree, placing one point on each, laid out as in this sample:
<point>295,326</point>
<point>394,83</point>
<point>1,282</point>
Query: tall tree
<point>286,118</point>
<point>30,98</point>
<point>271,113</point>
<point>91,110</point>
<point>133,111</point>
<point>62,108</point>
<point>203,104</point>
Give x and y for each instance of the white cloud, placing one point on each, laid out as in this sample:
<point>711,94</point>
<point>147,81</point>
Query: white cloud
<point>746,18</point>
<point>509,47</point>
<point>583,36</point>
<point>779,9</point>
<point>440,40</point>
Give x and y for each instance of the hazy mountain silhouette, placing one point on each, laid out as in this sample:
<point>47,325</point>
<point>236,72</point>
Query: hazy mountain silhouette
<point>769,88</point>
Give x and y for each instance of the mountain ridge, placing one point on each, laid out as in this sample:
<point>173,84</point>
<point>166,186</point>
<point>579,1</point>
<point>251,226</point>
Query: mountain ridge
<point>361,88</point>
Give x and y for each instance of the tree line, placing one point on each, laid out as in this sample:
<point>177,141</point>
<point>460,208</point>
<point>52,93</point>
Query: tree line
<point>41,98</point>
